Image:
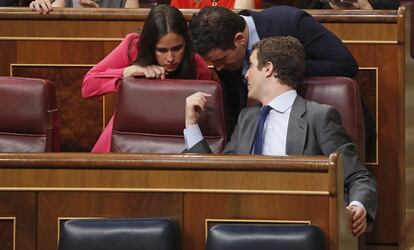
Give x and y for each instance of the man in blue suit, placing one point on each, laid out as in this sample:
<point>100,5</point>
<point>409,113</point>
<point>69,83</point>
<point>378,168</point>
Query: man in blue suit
<point>287,124</point>
<point>225,39</point>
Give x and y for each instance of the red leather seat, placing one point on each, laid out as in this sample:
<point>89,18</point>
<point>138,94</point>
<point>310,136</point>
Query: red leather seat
<point>29,116</point>
<point>149,116</point>
<point>343,94</point>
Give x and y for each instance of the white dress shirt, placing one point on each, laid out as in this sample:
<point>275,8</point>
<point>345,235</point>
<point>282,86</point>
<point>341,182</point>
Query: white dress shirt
<point>274,133</point>
<point>253,38</point>
<point>276,125</point>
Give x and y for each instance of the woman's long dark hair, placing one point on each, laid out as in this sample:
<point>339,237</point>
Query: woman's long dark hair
<point>162,20</point>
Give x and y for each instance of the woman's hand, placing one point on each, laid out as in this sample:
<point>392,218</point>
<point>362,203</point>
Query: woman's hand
<point>363,5</point>
<point>151,71</point>
<point>88,4</point>
<point>41,6</point>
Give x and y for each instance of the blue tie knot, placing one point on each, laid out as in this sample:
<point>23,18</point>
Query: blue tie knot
<point>264,111</point>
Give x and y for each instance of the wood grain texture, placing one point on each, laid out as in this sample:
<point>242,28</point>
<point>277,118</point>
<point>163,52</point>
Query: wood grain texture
<point>55,205</point>
<point>250,207</point>
<point>80,119</point>
<point>22,206</point>
<point>194,188</point>
<point>6,234</point>
<point>196,173</point>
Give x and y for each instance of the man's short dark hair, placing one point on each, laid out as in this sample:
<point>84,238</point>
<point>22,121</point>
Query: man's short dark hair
<point>286,54</point>
<point>215,27</point>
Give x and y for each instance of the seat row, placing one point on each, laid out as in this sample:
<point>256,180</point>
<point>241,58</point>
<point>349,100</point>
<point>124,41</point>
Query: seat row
<point>149,115</point>
<point>163,234</point>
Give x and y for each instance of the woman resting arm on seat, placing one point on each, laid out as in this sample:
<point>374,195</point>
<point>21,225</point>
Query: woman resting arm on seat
<point>163,50</point>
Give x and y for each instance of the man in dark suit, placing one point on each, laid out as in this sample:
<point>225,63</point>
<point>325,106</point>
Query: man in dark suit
<point>292,125</point>
<point>225,39</point>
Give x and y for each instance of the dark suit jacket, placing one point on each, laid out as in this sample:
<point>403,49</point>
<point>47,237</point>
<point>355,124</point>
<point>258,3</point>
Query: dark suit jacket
<point>326,55</point>
<point>313,129</point>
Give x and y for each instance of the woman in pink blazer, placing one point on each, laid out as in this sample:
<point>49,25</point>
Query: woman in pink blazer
<point>162,50</point>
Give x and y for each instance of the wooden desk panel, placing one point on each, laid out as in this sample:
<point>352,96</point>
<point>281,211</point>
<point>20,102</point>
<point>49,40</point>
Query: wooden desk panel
<point>210,209</point>
<point>189,188</point>
<point>56,207</point>
<point>18,220</point>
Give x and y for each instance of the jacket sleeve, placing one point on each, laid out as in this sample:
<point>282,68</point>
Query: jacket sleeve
<point>201,147</point>
<point>202,70</point>
<point>360,184</point>
<point>104,77</point>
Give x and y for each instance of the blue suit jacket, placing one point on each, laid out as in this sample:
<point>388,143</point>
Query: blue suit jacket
<point>326,55</point>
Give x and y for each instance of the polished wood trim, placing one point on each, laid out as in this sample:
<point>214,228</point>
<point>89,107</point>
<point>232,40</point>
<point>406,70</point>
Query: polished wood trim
<point>49,65</point>
<point>343,223</point>
<point>166,173</point>
<point>14,229</point>
<point>164,162</point>
<point>406,147</point>
<point>172,190</point>
<point>337,16</point>
<point>83,39</point>
<point>369,42</point>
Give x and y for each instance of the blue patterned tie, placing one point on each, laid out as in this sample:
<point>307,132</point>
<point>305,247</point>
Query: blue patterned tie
<point>258,145</point>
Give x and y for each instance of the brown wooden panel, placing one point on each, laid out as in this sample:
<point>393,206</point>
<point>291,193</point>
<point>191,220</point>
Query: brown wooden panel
<point>365,32</point>
<point>385,58</point>
<point>55,205</point>
<point>66,29</point>
<point>80,119</point>
<point>199,207</point>
<point>8,55</point>
<point>22,206</point>
<point>6,233</point>
<point>62,51</point>
<point>367,81</point>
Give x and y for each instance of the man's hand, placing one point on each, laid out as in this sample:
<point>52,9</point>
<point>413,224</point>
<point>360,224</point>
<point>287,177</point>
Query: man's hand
<point>358,220</point>
<point>152,71</point>
<point>41,6</point>
<point>194,106</point>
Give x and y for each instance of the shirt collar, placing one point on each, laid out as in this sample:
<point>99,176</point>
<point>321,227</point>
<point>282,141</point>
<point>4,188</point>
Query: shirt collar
<point>283,102</point>
<point>253,38</point>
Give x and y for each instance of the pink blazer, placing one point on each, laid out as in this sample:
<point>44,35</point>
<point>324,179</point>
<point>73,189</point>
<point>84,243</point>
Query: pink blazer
<point>106,75</point>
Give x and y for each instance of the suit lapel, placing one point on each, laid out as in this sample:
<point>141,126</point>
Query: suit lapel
<point>297,128</point>
<point>249,128</point>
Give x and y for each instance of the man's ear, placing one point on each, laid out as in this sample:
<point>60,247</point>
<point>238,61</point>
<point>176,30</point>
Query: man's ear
<point>269,69</point>
<point>240,39</point>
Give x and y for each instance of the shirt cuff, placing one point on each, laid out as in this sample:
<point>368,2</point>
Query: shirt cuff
<point>357,204</point>
<point>192,136</point>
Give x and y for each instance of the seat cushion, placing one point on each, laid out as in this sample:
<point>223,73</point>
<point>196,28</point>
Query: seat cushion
<point>264,237</point>
<point>119,234</point>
